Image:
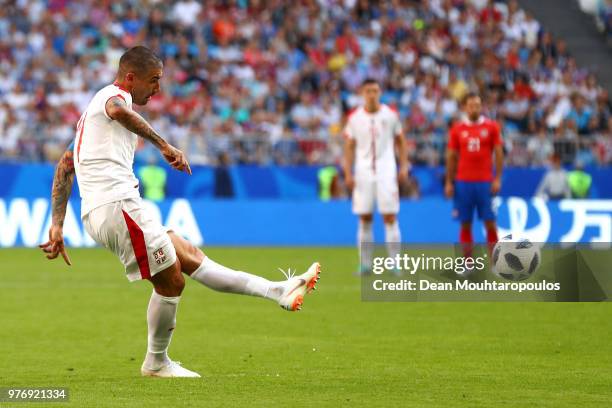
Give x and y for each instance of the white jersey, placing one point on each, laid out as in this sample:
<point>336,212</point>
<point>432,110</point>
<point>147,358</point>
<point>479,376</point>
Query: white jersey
<point>104,154</point>
<point>374,134</point>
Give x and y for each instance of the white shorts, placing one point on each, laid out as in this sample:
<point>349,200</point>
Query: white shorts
<point>142,244</point>
<point>383,192</point>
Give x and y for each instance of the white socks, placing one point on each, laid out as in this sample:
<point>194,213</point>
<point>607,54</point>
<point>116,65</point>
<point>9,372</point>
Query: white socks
<point>223,279</point>
<point>161,314</point>
<point>161,319</point>
<point>365,236</point>
<point>393,238</point>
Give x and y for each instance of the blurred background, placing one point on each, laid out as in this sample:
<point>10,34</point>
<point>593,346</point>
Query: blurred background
<point>257,92</point>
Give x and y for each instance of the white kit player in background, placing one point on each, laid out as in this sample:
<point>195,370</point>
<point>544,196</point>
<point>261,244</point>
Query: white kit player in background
<point>113,214</point>
<point>372,133</point>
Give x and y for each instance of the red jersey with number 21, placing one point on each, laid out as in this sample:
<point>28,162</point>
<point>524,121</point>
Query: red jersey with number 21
<point>474,143</point>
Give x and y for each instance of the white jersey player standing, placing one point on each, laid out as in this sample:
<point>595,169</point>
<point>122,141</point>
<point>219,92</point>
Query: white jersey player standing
<point>113,213</point>
<point>372,133</point>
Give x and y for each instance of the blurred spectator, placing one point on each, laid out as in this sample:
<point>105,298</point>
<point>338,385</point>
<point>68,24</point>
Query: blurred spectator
<point>540,149</point>
<point>185,12</point>
<point>224,188</point>
<point>515,111</point>
<point>604,18</point>
<point>305,115</point>
<point>579,181</point>
<point>580,114</point>
<point>328,183</point>
<point>554,185</point>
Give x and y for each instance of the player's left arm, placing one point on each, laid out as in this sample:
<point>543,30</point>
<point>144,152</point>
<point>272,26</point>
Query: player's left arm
<point>402,151</point>
<point>498,152</point>
<point>117,109</point>
<point>60,193</point>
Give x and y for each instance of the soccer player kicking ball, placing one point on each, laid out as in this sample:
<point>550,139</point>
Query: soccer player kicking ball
<point>113,213</point>
<point>469,170</point>
<point>372,132</point>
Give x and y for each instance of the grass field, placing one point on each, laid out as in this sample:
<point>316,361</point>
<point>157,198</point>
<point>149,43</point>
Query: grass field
<point>84,328</point>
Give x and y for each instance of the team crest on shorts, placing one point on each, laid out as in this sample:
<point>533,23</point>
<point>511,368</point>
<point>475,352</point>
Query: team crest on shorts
<point>160,257</point>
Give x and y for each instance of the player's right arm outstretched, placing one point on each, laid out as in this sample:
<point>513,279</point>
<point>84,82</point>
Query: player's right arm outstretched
<point>62,187</point>
<point>117,109</point>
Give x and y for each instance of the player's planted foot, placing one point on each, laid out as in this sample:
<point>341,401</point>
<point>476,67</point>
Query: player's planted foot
<point>172,369</point>
<point>466,273</point>
<point>397,272</point>
<point>297,286</point>
<point>364,270</point>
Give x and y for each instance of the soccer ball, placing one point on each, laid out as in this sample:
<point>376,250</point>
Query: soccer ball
<point>515,258</point>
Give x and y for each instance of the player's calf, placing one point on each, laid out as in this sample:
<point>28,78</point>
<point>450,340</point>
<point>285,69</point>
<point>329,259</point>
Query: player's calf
<point>365,238</point>
<point>465,239</point>
<point>161,317</point>
<point>393,237</point>
<point>491,227</point>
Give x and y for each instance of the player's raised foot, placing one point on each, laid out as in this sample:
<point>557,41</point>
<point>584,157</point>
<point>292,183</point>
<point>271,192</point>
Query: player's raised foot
<point>298,286</point>
<point>172,369</point>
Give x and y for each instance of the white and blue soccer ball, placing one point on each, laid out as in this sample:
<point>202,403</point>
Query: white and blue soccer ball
<point>515,258</point>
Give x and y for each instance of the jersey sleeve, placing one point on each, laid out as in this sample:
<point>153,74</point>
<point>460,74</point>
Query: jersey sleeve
<point>348,132</point>
<point>119,95</point>
<point>453,142</point>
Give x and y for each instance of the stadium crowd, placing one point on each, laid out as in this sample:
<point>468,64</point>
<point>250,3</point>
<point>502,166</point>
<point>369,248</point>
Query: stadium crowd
<point>272,81</point>
<point>603,18</point>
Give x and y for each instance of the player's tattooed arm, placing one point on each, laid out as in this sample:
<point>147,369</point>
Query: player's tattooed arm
<point>117,109</point>
<point>62,187</point>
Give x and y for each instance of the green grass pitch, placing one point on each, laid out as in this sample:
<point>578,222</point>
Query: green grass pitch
<point>84,328</point>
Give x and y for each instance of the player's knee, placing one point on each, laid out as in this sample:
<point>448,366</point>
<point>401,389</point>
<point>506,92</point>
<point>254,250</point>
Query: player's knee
<point>191,258</point>
<point>366,218</point>
<point>189,255</point>
<point>179,283</point>
<point>169,282</point>
<point>196,254</point>
<point>490,225</point>
<point>172,288</point>
<point>389,218</point>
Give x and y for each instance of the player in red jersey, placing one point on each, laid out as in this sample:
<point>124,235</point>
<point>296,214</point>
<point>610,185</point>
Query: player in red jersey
<point>470,179</point>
